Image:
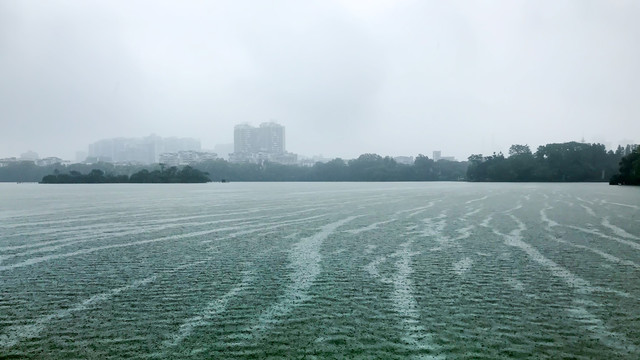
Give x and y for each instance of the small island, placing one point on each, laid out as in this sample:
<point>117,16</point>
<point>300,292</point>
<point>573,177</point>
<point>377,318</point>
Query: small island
<point>171,175</point>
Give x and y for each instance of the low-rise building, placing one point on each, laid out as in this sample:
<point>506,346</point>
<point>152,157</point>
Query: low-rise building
<point>186,157</point>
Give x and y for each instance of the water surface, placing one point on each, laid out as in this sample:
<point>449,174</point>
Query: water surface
<point>322,270</point>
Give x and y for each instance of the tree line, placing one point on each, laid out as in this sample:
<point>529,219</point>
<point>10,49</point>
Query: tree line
<point>629,170</point>
<point>367,167</point>
<point>563,162</point>
<point>171,175</point>
<point>568,162</point>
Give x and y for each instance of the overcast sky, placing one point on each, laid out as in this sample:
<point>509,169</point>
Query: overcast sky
<point>344,77</point>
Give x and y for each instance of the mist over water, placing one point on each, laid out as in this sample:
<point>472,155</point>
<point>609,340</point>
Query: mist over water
<point>325,270</point>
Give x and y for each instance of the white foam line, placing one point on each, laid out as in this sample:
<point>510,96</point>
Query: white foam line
<point>603,254</point>
<point>464,232</point>
<point>478,199</point>
<point>38,260</point>
<point>105,215</point>
<point>588,210</point>
<point>83,239</point>
<point>188,265</point>
<point>212,309</point>
<point>138,225</point>
<point>583,200</point>
<point>259,227</point>
<point>369,249</point>
<point>264,227</point>
<point>416,209</point>
<point>111,234</point>
<point>472,212</point>
<point>304,261</point>
<point>416,213</point>
<point>605,236</point>
<point>619,204</point>
<point>486,222</point>
<point>433,228</point>
<point>514,238</point>
<point>618,231</point>
<point>600,331</point>
<point>543,215</point>
<point>518,206</point>
<point>462,266</point>
<point>18,333</point>
<point>372,269</point>
<point>369,227</point>
<point>405,304</point>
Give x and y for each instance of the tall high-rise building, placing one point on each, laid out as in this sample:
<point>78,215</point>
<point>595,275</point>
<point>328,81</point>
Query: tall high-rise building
<point>267,138</point>
<point>244,139</point>
<point>270,138</point>
<point>255,144</point>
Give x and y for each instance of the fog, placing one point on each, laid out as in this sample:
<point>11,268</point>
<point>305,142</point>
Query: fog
<point>344,77</point>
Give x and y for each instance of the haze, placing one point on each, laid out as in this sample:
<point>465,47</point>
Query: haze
<point>344,77</point>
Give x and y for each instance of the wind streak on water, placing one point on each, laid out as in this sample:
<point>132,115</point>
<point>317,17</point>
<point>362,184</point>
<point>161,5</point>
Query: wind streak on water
<point>210,311</point>
<point>478,199</point>
<point>619,204</point>
<point>405,304</point>
<point>145,230</point>
<point>264,227</point>
<point>373,226</point>
<point>29,331</point>
<point>618,231</point>
<point>113,246</point>
<point>260,227</point>
<point>305,262</point>
<point>632,244</point>
<point>603,254</point>
<point>514,238</point>
<point>111,233</point>
<point>372,269</point>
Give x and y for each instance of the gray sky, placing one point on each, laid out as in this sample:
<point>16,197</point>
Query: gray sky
<point>344,76</point>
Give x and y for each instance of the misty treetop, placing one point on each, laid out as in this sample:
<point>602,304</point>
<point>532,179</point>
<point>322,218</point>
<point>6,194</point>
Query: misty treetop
<point>629,170</point>
<point>367,167</point>
<point>567,162</point>
<point>97,176</point>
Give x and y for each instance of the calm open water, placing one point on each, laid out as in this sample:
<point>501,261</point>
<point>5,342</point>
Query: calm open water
<point>322,270</point>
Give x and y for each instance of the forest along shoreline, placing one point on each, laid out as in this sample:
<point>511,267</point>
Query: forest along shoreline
<point>564,162</point>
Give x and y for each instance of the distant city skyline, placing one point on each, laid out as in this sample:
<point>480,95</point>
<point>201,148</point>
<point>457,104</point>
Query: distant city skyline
<point>144,150</point>
<point>220,149</point>
<point>346,77</point>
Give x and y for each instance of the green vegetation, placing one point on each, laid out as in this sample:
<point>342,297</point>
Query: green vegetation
<point>367,167</point>
<point>565,162</point>
<point>96,176</point>
<point>629,170</point>
<point>28,171</point>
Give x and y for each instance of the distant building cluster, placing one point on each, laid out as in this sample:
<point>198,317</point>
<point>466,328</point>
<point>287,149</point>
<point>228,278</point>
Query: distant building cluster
<point>405,160</point>
<point>258,144</point>
<point>33,157</point>
<point>186,157</point>
<point>146,150</point>
<point>437,155</point>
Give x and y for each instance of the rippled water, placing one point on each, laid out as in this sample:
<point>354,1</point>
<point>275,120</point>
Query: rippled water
<point>367,270</point>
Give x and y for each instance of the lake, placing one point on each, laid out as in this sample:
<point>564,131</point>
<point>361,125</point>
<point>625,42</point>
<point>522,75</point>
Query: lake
<point>320,270</point>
